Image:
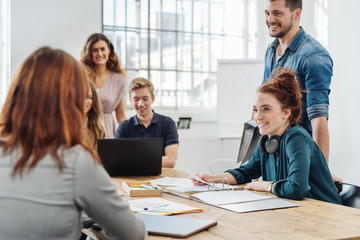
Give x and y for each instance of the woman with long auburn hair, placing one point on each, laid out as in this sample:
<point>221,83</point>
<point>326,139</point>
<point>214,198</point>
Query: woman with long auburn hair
<point>44,164</point>
<point>99,56</point>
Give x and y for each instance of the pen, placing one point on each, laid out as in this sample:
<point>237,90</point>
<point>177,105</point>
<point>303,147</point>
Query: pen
<point>155,206</point>
<point>148,187</point>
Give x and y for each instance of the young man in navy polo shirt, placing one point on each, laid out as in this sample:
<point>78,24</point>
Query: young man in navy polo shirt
<point>147,123</point>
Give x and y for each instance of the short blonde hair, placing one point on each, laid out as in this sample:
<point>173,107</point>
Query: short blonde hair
<point>140,82</point>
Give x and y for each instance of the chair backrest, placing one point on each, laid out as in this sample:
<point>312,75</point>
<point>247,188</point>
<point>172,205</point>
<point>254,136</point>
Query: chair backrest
<point>221,165</point>
<point>248,143</point>
<point>349,194</point>
<point>249,140</point>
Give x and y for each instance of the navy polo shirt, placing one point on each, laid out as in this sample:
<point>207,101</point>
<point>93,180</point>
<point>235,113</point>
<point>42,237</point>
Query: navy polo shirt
<point>160,127</point>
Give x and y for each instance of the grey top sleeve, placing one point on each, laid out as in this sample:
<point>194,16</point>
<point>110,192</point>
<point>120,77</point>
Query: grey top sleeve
<point>97,196</point>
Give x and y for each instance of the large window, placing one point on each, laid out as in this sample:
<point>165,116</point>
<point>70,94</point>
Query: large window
<point>321,21</point>
<point>176,44</point>
<point>4,49</point>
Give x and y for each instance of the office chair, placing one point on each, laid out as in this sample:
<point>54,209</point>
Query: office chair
<point>91,230</point>
<point>249,140</point>
<point>349,194</point>
<point>221,165</point>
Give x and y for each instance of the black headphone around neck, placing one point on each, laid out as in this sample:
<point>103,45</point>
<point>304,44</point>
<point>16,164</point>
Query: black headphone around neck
<point>270,145</point>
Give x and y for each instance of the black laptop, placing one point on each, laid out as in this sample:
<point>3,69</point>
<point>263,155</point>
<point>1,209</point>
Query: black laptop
<point>131,156</point>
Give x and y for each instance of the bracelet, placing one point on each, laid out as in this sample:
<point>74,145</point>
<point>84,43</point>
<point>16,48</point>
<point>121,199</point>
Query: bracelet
<point>270,187</point>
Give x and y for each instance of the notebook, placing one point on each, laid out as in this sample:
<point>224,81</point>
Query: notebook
<point>175,226</point>
<point>160,206</point>
<point>131,156</point>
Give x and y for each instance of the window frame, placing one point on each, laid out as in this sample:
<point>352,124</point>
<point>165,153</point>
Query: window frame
<point>5,56</point>
<point>207,88</point>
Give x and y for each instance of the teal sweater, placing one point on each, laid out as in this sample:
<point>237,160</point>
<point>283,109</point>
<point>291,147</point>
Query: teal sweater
<point>300,169</point>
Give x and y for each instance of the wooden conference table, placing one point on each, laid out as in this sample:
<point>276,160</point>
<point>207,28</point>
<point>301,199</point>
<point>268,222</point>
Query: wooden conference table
<point>312,220</point>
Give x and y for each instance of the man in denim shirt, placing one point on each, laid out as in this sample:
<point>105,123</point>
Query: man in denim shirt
<point>311,62</point>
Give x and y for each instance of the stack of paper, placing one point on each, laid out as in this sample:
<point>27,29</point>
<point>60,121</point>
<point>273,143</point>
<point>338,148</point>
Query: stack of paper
<point>184,186</point>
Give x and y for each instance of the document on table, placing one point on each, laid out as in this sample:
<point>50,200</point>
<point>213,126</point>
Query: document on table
<point>160,206</point>
<point>186,185</point>
<point>237,201</point>
<point>171,181</point>
<point>226,197</point>
<point>242,201</point>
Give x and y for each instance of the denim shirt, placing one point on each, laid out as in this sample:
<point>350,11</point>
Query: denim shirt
<point>313,67</point>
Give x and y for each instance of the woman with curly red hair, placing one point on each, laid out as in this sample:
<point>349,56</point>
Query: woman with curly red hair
<point>287,158</point>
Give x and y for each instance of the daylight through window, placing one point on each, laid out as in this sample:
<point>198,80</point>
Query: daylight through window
<point>176,44</point>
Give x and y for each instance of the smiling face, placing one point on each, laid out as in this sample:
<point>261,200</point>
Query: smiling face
<point>100,53</point>
<point>280,19</point>
<point>269,115</point>
<point>141,101</point>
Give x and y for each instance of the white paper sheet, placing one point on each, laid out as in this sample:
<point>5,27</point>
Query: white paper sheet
<point>227,197</point>
<point>186,185</point>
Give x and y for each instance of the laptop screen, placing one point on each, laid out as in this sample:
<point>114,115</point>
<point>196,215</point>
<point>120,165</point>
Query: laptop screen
<point>131,156</point>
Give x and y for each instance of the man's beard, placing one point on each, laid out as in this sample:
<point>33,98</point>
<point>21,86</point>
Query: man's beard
<point>283,32</point>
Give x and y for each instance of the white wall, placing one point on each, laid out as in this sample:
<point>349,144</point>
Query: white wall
<point>238,80</point>
<point>66,24</point>
<point>344,33</point>
<point>61,24</point>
